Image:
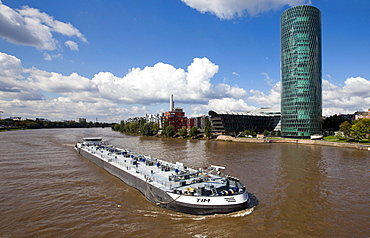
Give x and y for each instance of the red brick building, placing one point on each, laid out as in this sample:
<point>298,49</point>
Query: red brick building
<point>176,118</point>
<point>190,123</point>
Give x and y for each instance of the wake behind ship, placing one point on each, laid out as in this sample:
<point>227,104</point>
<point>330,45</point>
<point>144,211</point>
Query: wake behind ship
<point>172,186</point>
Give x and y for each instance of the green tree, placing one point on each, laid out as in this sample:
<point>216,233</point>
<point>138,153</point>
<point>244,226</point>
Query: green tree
<point>147,129</point>
<point>246,133</point>
<point>208,128</point>
<point>122,126</point>
<point>332,123</point>
<point>155,128</point>
<point>265,133</point>
<point>345,127</point>
<point>165,124</point>
<point>133,127</point>
<point>366,122</point>
<point>141,125</point>
<point>116,127</point>
<point>183,132</point>
<point>32,125</point>
<point>253,132</point>
<point>194,132</point>
<point>359,130</point>
<point>279,133</point>
<point>170,131</point>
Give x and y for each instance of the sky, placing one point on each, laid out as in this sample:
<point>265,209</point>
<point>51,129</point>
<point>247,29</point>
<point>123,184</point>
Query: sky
<point>110,60</point>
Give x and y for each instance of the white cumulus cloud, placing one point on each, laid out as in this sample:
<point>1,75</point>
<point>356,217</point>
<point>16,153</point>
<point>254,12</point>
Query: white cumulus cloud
<point>58,83</point>
<point>29,26</point>
<point>151,85</point>
<point>71,45</point>
<point>47,57</point>
<point>154,84</point>
<point>37,93</point>
<point>64,108</point>
<point>353,96</point>
<point>228,9</point>
<point>272,99</point>
<point>336,99</point>
<point>12,82</point>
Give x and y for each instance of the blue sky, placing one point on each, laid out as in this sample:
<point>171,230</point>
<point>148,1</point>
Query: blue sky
<point>117,59</point>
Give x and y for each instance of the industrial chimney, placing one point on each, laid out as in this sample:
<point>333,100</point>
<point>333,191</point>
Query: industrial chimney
<point>171,103</point>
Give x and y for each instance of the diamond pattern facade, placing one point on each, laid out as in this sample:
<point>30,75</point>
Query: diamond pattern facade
<point>301,96</point>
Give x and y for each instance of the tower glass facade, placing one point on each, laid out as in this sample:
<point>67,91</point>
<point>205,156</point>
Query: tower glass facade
<point>301,96</point>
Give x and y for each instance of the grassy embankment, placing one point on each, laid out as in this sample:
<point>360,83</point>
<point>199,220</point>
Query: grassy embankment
<point>342,140</point>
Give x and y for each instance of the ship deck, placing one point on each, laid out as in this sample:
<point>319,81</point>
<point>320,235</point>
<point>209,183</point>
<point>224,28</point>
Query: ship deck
<point>169,177</point>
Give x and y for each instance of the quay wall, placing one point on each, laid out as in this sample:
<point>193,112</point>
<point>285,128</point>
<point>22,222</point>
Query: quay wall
<point>297,141</point>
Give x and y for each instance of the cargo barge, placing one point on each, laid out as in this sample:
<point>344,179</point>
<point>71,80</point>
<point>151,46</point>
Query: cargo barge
<point>172,186</point>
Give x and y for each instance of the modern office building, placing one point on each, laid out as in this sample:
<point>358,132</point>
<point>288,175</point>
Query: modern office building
<point>233,123</point>
<point>301,96</point>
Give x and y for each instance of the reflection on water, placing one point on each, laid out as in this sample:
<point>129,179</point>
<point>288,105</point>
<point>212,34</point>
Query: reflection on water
<point>47,190</point>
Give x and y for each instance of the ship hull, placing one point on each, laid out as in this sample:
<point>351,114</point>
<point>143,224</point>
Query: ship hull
<point>207,209</point>
<point>162,198</point>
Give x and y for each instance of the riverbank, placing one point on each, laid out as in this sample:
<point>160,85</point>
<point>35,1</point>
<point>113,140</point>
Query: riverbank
<point>296,141</point>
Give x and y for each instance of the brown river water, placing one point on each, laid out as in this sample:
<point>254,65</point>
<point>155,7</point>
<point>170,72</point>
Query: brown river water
<point>48,190</point>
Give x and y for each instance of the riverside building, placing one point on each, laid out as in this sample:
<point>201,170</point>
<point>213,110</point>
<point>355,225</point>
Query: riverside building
<point>234,123</point>
<point>301,96</point>
<point>175,117</point>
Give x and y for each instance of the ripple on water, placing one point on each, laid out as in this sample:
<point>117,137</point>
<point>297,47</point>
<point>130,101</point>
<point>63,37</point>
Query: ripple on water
<point>47,190</point>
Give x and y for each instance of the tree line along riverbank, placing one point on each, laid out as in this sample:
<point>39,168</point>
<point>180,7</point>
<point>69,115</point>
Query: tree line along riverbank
<point>11,124</point>
<point>152,129</point>
<point>354,135</point>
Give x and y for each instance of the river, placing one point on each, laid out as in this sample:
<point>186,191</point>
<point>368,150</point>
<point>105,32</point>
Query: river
<point>48,190</point>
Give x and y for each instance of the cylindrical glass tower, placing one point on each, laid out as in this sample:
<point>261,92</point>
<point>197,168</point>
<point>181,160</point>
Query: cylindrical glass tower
<point>301,96</point>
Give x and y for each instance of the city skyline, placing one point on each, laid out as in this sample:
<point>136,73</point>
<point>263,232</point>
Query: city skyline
<point>66,59</point>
